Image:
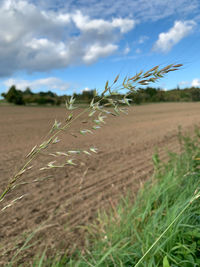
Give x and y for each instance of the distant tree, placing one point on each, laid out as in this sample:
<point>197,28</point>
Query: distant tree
<point>58,101</point>
<point>14,96</point>
<point>195,93</point>
<point>51,94</point>
<point>136,97</point>
<point>41,100</point>
<point>27,91</point>
<point>45,94</point>
<point>151,91</point>
<point>85,96</point>
<point>160,97</point>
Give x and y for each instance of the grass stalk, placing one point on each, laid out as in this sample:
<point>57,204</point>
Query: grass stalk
<point>107,98</point>
<point>169,226</point>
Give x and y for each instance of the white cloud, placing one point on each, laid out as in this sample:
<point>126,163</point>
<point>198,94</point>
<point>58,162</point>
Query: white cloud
<point>41,40</point>
<point>168,39</point>
<point>84,23</point>
<point>142,10</point>
<point>96,51</point>
<point>125,25</point>
<point>86,89</point>
<point>126,50</point>
<point>195,83</point>
<point>50,83</point>
<point>142,39</point>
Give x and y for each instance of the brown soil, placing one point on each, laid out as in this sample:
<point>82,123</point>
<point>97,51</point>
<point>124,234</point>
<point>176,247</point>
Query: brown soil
<point>56,208</point>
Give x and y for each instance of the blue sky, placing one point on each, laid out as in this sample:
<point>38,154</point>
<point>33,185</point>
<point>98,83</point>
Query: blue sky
<point>69,46</point>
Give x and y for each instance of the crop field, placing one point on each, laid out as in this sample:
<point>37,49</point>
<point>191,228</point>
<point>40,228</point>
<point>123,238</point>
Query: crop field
<point>55,211</point>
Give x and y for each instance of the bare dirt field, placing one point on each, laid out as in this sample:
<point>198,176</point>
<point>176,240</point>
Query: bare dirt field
<point>56,208</point>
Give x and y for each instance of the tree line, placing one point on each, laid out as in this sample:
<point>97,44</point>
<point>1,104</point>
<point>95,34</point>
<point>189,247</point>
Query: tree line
<point>141,95</point>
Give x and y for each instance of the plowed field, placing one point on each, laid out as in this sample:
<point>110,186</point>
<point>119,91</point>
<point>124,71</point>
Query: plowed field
<point>56,208</point>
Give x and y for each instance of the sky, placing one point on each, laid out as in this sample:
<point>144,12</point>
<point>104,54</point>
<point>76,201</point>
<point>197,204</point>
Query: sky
<point>75,45</point>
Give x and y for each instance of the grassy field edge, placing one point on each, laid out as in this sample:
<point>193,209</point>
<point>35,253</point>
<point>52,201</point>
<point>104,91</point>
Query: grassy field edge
<point>160,227</point>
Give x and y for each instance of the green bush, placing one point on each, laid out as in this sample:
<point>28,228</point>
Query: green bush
<point>14,96</point>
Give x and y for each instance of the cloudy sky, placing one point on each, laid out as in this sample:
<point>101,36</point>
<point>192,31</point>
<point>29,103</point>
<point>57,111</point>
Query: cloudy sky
<point>67,46</point>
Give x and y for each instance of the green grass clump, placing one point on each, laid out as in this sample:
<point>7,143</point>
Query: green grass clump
<point>161,227</point>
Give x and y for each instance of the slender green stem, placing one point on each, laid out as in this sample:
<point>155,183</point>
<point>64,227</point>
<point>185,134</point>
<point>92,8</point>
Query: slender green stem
<point>163,233</point>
